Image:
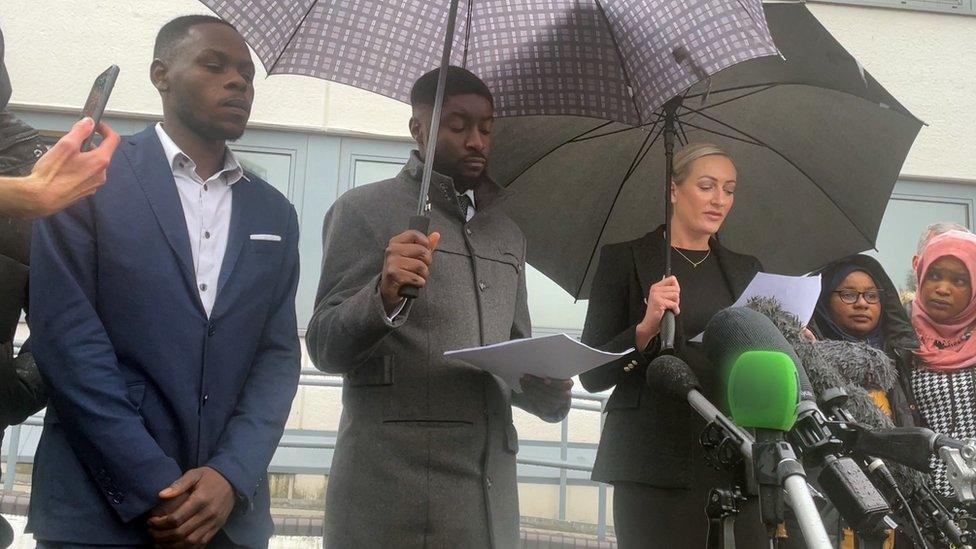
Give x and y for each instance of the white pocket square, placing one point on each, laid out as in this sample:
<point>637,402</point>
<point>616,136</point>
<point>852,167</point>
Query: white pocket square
<point>266,237</point>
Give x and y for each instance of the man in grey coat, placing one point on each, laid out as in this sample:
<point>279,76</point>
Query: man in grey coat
<point>425,455</point>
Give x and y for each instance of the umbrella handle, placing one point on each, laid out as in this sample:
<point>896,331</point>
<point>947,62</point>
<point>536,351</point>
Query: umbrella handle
<point>421,224</point>
<point>667,333</point>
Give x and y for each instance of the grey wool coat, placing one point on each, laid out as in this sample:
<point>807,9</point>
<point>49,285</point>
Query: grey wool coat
<point>425,455</point>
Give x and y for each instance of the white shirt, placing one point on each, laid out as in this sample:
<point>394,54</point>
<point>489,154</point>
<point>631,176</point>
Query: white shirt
<point>207,208</point>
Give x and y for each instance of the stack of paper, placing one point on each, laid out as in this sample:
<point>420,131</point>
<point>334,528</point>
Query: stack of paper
<point>556,356</point>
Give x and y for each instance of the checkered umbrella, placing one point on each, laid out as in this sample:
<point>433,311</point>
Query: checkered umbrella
<point>617,60</point>
<point>608,59</point>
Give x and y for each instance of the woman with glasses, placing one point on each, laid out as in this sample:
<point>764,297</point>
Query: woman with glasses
<point>859,303</point>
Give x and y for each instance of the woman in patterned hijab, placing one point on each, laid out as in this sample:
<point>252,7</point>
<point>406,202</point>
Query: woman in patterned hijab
<point>944,315</point>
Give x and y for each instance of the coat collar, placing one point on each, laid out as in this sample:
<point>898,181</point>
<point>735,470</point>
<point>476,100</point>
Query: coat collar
<point>442,192</point>
<point>649,262</point>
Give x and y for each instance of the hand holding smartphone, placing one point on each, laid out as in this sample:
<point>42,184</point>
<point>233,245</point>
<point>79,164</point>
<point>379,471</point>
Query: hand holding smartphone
<point>97,99</point>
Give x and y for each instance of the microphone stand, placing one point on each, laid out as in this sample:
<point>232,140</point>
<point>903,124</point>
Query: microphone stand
<point>782,471</point>
<point>721,509</point>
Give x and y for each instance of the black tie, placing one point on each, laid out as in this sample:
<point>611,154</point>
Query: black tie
<point>465,202</point>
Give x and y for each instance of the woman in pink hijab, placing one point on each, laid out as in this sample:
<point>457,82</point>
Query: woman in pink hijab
<point>944,316</point>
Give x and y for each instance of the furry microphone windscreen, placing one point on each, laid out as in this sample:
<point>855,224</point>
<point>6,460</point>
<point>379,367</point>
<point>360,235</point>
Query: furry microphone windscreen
<point>854,367</point>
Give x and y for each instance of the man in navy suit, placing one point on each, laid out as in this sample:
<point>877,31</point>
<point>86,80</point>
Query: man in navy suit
<point>163,320</point>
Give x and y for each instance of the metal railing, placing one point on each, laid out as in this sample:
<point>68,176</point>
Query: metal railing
<point>315,378</point>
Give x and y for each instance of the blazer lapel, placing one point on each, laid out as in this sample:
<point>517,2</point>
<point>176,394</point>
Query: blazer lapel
<point>242,211</point>
<point>649,259</point>
<point>155,176</point>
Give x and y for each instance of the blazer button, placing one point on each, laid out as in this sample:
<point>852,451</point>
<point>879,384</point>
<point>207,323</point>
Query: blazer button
<point>211,330</point>
<point>467,230</point>
<point>488,481</point>
<point>482,286</point>
<point>628,368</point>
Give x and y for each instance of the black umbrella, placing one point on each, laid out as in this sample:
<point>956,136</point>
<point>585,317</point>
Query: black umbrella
<point>818,144</point>
<point>607,59</point>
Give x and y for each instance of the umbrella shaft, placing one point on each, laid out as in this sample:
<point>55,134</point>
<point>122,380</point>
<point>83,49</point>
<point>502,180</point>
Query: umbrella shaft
<point>423,206</point>
<point>669,137</point>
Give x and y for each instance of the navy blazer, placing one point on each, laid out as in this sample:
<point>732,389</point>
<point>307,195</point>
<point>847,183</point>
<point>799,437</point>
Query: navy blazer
<point>143,385</point>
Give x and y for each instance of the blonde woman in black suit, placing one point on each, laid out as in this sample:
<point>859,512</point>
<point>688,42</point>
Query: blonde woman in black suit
<point>649,450</point>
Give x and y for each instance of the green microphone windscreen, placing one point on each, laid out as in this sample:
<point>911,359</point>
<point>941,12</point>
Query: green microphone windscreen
<point>763,390</point>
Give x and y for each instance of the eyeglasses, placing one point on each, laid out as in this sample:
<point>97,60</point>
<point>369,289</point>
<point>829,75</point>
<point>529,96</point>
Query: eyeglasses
<point>851,296</point>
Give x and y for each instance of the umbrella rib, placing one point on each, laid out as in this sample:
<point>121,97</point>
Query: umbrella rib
<point>583,137</point>
<point>311,6</point>
<point>681,130</point>
<point>554,149</point>
<point>732,89</point>
<point>791,163</point>
<point>730,136</point>
<point>736,98</point>
<point>467,35</point>
<point>623,66</point>
<point>646,147</point>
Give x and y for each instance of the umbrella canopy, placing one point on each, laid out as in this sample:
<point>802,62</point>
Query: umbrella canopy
<point>605,59</point>
<point>818,144</point>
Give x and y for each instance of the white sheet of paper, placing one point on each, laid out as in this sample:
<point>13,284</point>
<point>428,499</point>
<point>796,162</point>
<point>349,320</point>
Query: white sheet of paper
<point>557,356</point>
<point>796,294</point>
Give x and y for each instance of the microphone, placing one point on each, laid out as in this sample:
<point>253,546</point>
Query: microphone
<point>763,390</point>
<point>911,446</point>
<point>838,371</point>
<point>672,375</point>
<point>736,330</point>
<point>763,395</point>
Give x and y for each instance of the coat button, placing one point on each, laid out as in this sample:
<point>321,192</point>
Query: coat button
<point>211,330</point>
<point>206,397</point>
<point>628,368</point>
<point>467,230</point>
<point>488,481</point>
<point>482,286</point>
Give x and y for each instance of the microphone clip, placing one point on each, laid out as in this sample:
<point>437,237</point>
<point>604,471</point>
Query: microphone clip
<point>961,469</point>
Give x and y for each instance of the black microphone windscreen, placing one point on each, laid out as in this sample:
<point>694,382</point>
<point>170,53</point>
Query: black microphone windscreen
<point>670,374</point>
<point>735,330</point>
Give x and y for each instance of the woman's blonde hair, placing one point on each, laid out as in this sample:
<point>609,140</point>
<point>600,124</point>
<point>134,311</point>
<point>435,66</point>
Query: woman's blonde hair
<point>685,157</point>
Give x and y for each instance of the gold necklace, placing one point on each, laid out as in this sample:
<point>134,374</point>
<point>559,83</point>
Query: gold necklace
<point>694,265</point>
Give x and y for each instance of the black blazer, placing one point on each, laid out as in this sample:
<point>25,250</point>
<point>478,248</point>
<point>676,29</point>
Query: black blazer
<point>647,436</point>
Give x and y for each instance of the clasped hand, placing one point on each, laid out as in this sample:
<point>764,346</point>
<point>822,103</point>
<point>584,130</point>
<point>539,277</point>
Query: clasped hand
<point>193,509</point>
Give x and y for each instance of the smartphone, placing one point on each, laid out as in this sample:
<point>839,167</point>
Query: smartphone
<point>97,99</point>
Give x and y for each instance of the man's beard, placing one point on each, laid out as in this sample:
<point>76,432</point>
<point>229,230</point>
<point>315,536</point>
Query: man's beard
<point>461,182</point>
<point>206,130</point>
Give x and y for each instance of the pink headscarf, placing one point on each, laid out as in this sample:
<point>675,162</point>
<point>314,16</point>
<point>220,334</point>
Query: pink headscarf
<point>958,350</point>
